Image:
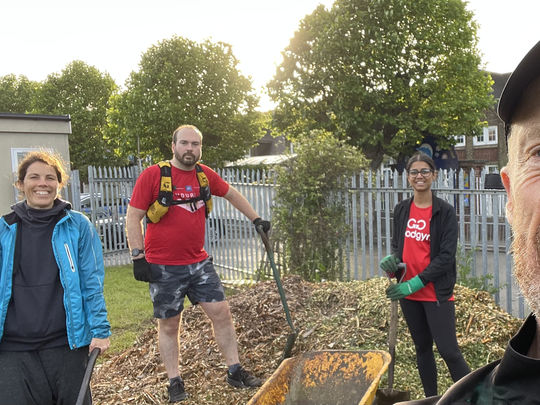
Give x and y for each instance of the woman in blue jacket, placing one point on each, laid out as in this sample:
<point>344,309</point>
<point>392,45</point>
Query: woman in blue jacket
<point>52,308</point>
<point>425,239</point>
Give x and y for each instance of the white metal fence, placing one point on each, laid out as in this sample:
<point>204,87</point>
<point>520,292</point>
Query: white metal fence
<point>105,201</point>
<point>484,234</point>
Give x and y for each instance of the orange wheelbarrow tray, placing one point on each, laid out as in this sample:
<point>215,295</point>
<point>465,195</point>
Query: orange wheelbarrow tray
<point>328,377</point>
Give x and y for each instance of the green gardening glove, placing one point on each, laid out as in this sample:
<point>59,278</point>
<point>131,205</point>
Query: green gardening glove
<point>389,264</point>
<point>401,290</point>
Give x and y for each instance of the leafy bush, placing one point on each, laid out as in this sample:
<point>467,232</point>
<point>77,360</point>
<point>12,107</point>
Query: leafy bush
<point>310,216</point>
<point>465,277</point>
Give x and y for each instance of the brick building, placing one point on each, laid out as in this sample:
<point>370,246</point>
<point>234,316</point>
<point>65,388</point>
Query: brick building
<point>487,150</point>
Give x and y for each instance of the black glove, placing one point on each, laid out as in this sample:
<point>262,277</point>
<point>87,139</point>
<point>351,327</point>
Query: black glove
<point>262,223</point>
<point>141,269</point>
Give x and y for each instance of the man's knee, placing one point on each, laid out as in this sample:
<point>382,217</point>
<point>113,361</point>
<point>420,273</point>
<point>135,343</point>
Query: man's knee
<point>169,326</point>
<point>218,312</point>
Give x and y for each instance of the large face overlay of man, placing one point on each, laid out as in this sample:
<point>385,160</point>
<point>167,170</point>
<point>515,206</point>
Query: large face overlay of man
<point>521,178</point>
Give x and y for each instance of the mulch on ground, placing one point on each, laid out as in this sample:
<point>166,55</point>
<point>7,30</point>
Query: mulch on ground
<point>328,315</point>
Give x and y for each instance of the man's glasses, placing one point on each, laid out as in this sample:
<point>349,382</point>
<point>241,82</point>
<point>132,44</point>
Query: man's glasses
<point>422,172</point>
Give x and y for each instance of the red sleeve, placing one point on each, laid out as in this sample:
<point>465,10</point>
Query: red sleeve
<point>146,188</point>
<point>218,186</point>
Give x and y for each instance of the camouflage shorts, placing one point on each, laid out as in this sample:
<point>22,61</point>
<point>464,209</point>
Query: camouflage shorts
<point>169,285</point>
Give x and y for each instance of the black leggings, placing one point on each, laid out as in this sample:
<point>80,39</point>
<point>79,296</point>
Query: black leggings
<point>428,322</point>
<point>43,377</point>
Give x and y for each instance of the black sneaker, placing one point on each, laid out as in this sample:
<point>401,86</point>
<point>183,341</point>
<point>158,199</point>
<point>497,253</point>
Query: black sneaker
<point>176,390</point>
<point>242,379</point>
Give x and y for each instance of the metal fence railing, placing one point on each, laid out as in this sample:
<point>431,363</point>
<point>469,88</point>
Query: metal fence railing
<point>368,201</point>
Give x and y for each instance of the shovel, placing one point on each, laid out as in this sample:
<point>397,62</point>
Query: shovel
<point>87,376</point>
<point>292,336</point>
<point>389,396</point>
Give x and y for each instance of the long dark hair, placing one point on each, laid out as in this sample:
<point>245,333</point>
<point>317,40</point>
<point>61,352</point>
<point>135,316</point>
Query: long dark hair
<point>420,157</point>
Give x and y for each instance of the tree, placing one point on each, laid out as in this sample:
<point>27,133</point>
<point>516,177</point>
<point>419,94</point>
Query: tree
<point>17,94</point>
<point>309,217</point>
<point>385,74</point>
<point>83,92</point>
<point>184,82</point>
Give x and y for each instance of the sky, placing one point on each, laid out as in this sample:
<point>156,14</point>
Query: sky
<point>41,37</point>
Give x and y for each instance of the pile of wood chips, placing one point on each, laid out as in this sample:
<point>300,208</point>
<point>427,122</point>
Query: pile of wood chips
<point>328,315</point>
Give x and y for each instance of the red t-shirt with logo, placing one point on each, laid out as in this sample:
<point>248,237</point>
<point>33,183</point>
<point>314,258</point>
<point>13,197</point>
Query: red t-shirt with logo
<point>178,238</point>
<point>416,250</point>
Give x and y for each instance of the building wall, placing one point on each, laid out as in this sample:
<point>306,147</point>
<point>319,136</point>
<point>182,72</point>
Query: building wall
<point>481,155</point>
<point>478,156</point>
<point>20,133</point>
<point>489,154</point>
<point>270,145</point>
<point>502,151</point>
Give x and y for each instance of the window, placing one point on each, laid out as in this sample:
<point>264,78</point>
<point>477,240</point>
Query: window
<point>491,168</point>
<point>460,140</point>
<point>489,136</point>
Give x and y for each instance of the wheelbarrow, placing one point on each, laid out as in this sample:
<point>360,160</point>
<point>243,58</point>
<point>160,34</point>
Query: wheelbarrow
<point>328,377</point>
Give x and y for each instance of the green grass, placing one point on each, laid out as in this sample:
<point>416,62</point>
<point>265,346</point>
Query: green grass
<point>128,305</point>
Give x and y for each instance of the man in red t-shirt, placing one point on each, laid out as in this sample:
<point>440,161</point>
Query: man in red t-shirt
<point>172,257</point>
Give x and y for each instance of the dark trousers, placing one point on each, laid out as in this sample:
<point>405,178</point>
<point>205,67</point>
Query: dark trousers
<point>428,322</point>
<point>43,377</point>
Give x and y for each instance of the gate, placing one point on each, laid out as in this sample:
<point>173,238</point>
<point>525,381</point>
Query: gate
<point>105,202</point>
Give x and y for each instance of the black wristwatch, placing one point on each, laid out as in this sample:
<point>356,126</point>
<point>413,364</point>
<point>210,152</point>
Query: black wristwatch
<point>136,252</point>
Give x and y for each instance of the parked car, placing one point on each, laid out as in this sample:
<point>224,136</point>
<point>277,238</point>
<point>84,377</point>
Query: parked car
<point>86,205</point>
<point>109,221</point>
<point>103,208</point>
<point>112,232</point>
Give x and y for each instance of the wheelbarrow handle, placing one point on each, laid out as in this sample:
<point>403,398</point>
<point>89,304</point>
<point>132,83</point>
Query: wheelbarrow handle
<point>87,376</point>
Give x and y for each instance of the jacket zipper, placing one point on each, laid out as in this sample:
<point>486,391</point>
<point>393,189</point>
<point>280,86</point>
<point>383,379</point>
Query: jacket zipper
<point>72,267</point>
<point>70,258</point>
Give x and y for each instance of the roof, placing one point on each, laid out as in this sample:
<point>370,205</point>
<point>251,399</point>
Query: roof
<point>261,160</point>
<point>499,80</point>
<point>35,116</point>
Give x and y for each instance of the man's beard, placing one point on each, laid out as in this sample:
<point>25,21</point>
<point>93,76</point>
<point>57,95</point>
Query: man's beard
<point>527,268</point>
<point>190,161</point>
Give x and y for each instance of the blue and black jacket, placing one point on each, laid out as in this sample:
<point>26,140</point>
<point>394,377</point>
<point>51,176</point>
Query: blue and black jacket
<point>78,253</point>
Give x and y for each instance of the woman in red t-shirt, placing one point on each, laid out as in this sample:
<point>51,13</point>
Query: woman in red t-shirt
<point>425,239</point>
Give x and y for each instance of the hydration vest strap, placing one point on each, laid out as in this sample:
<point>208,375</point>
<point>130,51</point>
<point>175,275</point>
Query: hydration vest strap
<point>165,197</point>
<point>204,187</point>
<point>160,207</point>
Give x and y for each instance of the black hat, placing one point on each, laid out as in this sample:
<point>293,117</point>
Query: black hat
<point>527,70</point>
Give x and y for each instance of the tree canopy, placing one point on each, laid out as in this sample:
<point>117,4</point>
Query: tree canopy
<point>385,74</point>
<point>83,92</point>
<point>17,94</point>
<point>180,82</point>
